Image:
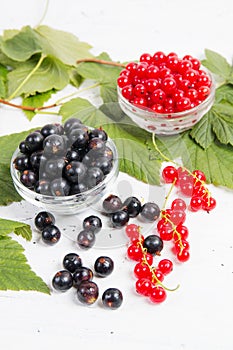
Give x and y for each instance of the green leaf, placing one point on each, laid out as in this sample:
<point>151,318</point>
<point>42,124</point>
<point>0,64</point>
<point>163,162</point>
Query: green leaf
<point>52,74</point>
<point>75,78</point>
<point>130,140</point>
<point>36,101</point>
<point>224,93</point>
<point>22,45</point>
<point>15,273</point>
<point>9,143</point>
<point>2,88</point>
<point>223,123</point>
<point>104,74</point>
<point>217,64</point>
<point>3,72</point>
<point>215,162</point>
<point>8,193</point>
<point>19,228</point>
<point>66,47</point>
<point>202,132</point>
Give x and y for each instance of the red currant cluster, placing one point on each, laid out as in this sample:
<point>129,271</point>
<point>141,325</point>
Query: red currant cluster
<point>165,83</point>
<point>149,278</point>
<point>171,227</point>
<point>191,184</point>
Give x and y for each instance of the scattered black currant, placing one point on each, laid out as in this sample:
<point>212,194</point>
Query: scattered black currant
<point>153,244</point>
<point>103,266</point>
<point>51,234</point>
<point>62,281</point>
<point>86,239</point>
<point>92,223</point>
<point>119,218</point>
<point>88,292</point>
<point>43,219</point>
<point>72,262</point>
<point>112,298</point>
<point>133,206</point>
<point>112,203</point>
<point>150,211</point>
<point>82,274</point>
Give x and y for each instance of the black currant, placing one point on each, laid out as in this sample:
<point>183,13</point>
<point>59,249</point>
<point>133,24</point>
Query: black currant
<point>92,223</point>
<point>153,244</point>
<point>119,218</point>
<point>43,187</point>
<point>72,262</point>
<point>34,141</point>
<point>62,280</point>
<point>22,162</point>
<point>112,298</point>
<point>51,129</point>
<point>75,171</point>
<point>78,188</point>
<point>28,178</point>
<point>112,204</point>
<point>150,211</point>
<point>94,177</point>
<point>36,159</point>
<point>103,164</point>
<point>133,206</point>
<point>88,292</point>
<point>71,123</point>
<point>79,138</point>
<point>51,234</point>
<point>43,219</point>
<point>100,133</point>
<point>96,144</point>
<point>54,168</point>
<point>81,274</point>
<point>86,239</point>
<point>73,154</point>
<point>24,148</point>
<point>103,266</point>
<point>60,187</point>
<point>54,145</point>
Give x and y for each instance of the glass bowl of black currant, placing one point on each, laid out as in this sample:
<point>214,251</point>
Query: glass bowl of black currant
<point>65,168</point>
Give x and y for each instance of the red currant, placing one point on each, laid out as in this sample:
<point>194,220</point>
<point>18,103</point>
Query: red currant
<point>158,96</point>
<point>181,232</point>
<point>168,85</point>
<point>178,217</point>
<point>181,244</point>
<point>158,294</point>
<point>165,266</point>
<point>144,286</point>
<point>134,252</point>
<point>127,92</point>
<point>195,203</point>
<point>133,231</point>
<point>183,104</point>
<point>157,275</point>
<point>142,271</point>
<point>139,90</point>
<point>139,101</point>
<point>183,256</point>
<point>169,174</point>
<point>123,80</point>
<point>203,92</point>
<point>208,203</point>
<point>151,85</point>
<point>159,57</point>
<point>178,204</point>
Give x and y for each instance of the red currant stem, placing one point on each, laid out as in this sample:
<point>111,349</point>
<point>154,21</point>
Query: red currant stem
<point>175,232</point>
<point>96,60</point>
<point>168,194</point>
<point>178,165</point>
<point>152,269</point>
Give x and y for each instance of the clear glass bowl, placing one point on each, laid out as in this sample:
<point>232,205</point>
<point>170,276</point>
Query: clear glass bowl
<point>67,204</point>
<point>171,123</point>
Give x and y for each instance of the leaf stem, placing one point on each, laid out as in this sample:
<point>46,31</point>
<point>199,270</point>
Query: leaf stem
<point>96,60</point>
<point>14,94</point>
<point>26,108</point>
<point>58,102</point>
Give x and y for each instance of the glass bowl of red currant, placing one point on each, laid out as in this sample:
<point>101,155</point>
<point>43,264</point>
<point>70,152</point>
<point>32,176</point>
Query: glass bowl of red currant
<point>165,94</point>
<point>65,168</point>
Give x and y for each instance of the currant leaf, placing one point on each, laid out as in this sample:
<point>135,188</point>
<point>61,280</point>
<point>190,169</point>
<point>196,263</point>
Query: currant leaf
<point>20,46</point>
<point>15,273</point>
<point>8,193</point>
<point>217,64</point>
<point>35,101</point>
<point>19,228</point>
<point>66,47</point>
<point>52,74</point>
<point>202,132</point>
